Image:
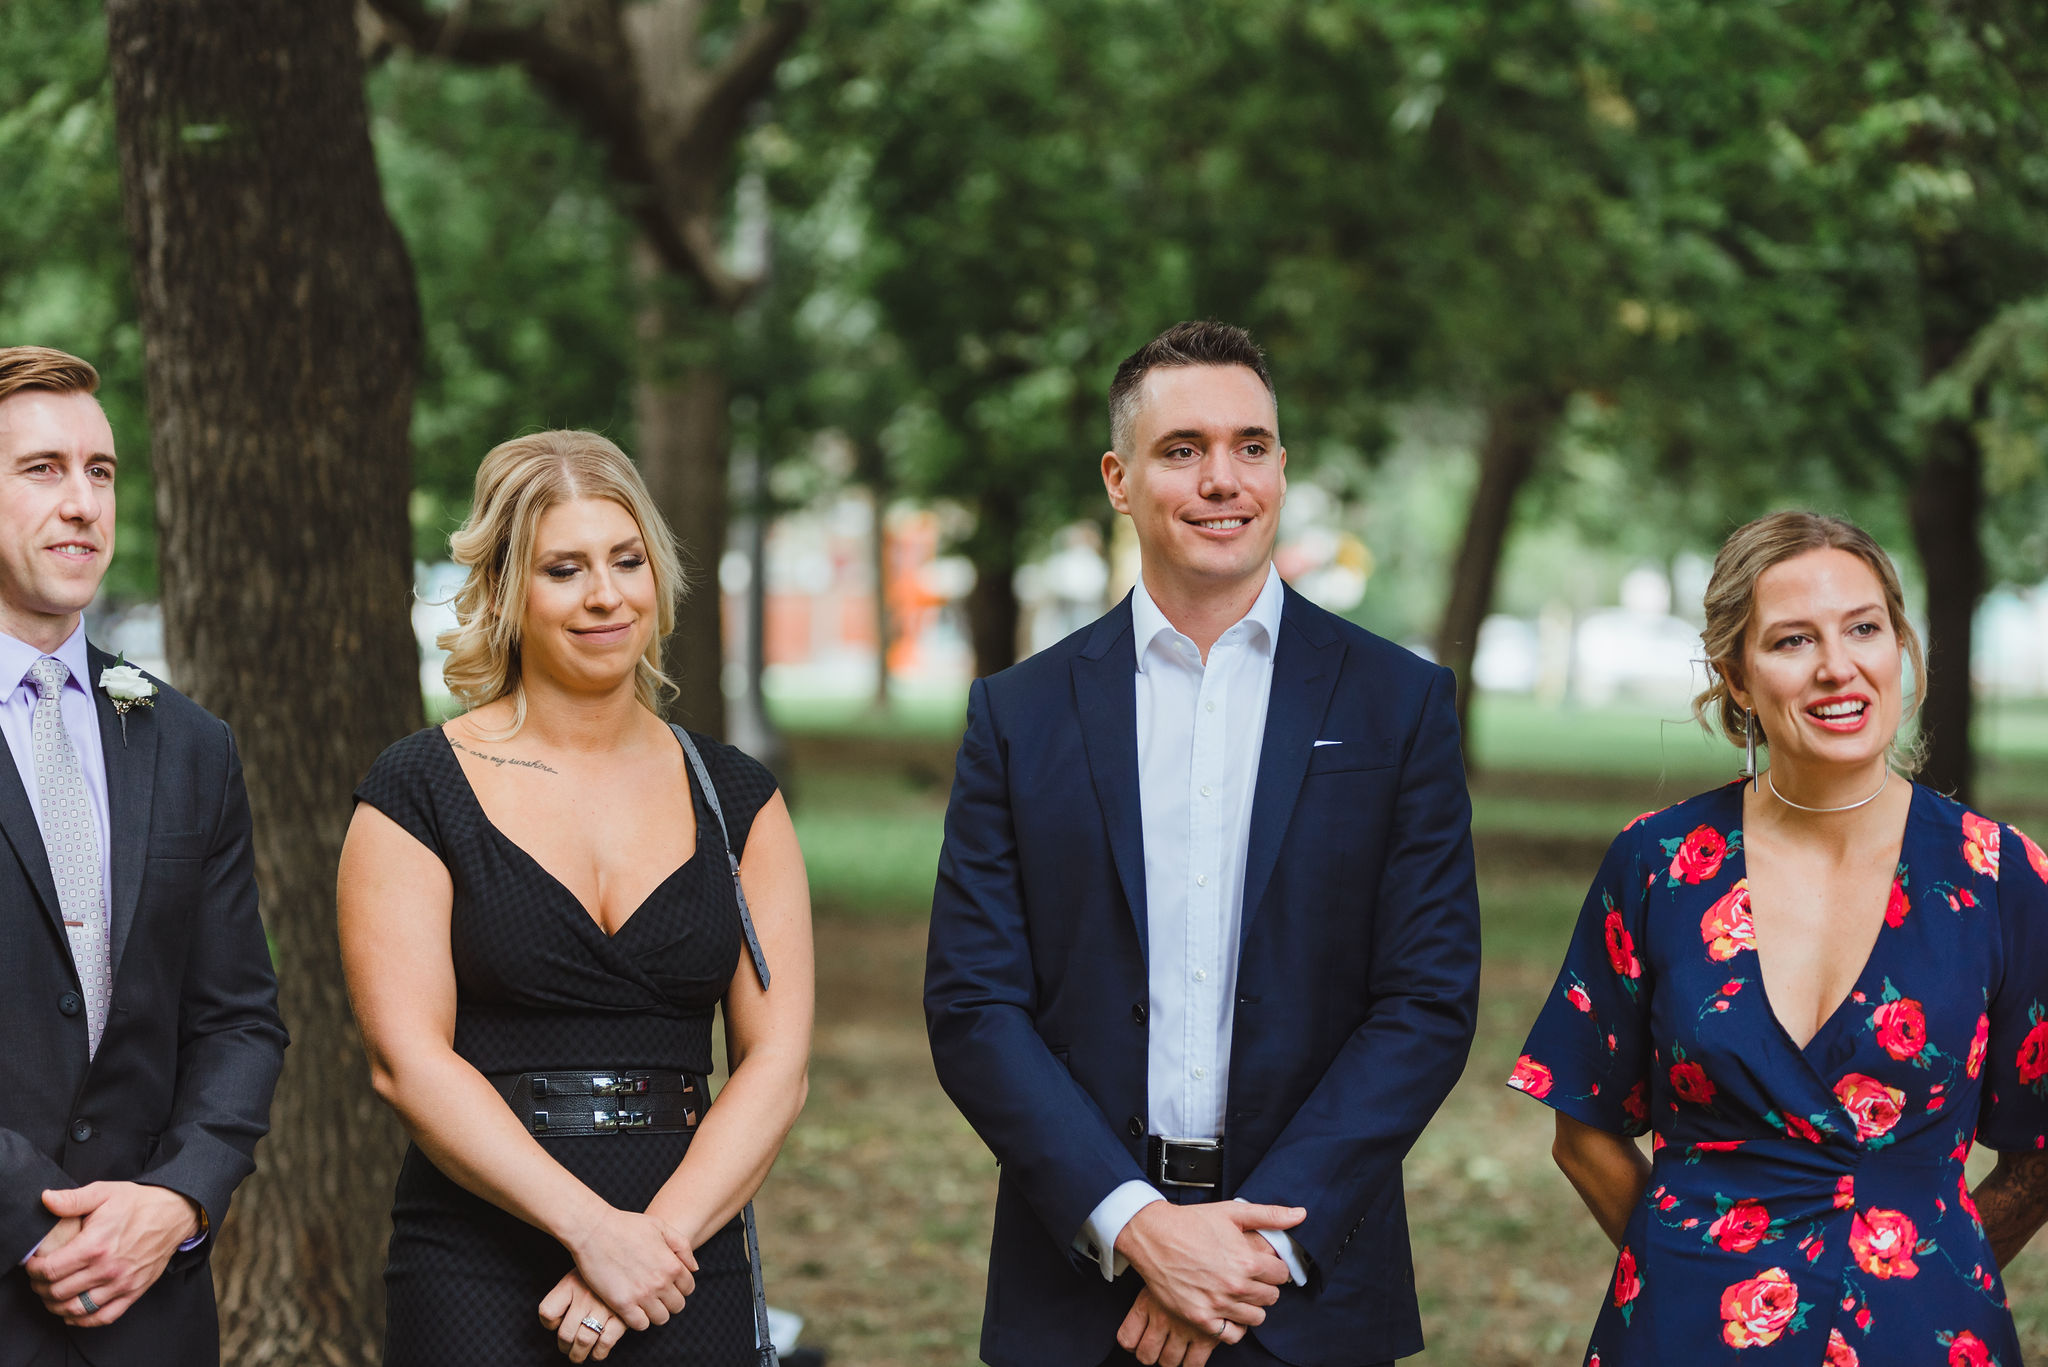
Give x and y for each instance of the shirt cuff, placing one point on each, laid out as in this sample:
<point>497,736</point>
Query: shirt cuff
<point>1289,1251</point>
<point>1097,1238</point>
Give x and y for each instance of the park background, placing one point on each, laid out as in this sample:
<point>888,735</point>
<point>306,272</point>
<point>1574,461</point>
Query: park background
<point>1556,293</point>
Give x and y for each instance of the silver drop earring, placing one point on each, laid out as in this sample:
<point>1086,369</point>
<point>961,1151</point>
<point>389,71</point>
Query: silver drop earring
<point>1749,747</point>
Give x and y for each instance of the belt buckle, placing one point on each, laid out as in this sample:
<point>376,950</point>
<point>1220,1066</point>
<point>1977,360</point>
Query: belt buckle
<point>605,1084</point>
<point>611,1121</point>
<point>1205,1145</point>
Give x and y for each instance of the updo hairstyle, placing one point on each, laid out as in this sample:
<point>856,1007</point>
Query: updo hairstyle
<point>517,483</point>
<point>1731,602</point>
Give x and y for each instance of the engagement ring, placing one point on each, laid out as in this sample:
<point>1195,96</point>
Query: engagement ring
<point>593,1324</point>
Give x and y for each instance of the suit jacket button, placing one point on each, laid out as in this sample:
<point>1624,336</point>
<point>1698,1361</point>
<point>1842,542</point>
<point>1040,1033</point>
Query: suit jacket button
<point>81,1130</point>
<point>1138,1013</point>
<point>1136,1126</point>
<point>69,1004</point>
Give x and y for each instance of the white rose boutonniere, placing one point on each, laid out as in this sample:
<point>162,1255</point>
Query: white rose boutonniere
<point>126,687</point>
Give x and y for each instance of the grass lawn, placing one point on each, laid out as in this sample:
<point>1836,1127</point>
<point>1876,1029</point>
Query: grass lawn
<point>875,1222</point>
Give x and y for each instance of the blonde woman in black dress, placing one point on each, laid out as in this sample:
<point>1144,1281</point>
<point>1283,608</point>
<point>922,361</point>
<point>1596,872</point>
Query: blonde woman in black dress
<point>538,921</point>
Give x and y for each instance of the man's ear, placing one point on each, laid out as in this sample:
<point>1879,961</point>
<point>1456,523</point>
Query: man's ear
<point>1113,481</point>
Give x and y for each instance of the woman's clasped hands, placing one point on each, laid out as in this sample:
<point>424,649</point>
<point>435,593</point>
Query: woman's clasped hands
<point>632,1271</point>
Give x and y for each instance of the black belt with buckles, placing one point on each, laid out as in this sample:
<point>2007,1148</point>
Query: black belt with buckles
<point>1184,1162</point>
<point>611,1101</point>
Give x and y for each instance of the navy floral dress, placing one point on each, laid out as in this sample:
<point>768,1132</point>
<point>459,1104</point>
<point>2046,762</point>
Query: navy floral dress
<point>1805,1206</point>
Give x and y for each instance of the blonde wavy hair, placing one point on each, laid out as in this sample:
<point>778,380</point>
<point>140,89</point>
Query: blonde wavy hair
<point>516,484</point>
<point>1731,602</point>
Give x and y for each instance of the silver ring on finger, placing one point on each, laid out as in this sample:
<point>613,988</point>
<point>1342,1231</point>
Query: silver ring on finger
<point>593,1324</point>
<point>86,1304</point>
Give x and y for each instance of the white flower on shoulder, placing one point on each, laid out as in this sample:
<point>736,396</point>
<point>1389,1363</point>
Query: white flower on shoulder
<point>127,684</point>
<point>126,687</point>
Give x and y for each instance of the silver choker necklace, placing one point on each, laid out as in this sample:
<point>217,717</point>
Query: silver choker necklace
<point>1860,802</point>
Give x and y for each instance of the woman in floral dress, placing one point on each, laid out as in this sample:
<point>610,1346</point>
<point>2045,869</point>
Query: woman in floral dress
<point>1813,990</point>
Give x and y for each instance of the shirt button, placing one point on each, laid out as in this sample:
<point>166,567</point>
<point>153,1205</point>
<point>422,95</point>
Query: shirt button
<point>1200,1071</point>
<point>1201,880</point>
<point>1205,790</point>
<point>1208,707</point>
<point>1201,975</point>
<point>81,1130</point>
<point>69,1004</point>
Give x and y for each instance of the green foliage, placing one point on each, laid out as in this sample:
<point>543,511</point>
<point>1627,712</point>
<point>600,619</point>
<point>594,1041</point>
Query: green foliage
<point>64,279</point>
<point>524,267</point>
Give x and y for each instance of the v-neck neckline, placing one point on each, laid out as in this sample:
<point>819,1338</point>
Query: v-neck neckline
<point>1827,1027</point>
<point>589,917</point>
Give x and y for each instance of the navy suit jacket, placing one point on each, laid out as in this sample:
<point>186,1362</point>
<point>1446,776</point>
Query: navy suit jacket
<point>179,1091</point>
<point>1357,980</point>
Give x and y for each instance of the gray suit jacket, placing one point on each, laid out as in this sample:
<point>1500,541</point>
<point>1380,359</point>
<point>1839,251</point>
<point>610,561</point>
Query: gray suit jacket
<point>179,1092</point>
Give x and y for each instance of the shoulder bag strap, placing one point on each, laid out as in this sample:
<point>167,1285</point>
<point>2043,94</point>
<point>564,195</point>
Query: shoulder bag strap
<point>732,861</point>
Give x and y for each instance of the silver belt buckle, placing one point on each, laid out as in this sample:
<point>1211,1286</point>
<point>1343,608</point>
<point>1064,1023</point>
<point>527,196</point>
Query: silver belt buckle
<point>618,1120</point>
<point>603,1084</point>
<point>1206,1145</point>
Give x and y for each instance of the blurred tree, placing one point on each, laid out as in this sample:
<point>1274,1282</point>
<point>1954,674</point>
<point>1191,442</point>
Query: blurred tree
<point>664,86</point>
<point>281,331</point>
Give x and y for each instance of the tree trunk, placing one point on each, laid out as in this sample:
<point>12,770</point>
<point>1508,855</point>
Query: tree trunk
<point>1516,430</point>
<point>873,469</point>
<point>680,402</point>
<point>281,343</point>
<point>993,613</point>
<point>1947,500</point>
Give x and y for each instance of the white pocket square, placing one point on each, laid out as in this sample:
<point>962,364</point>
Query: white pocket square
<point>1321,743</point>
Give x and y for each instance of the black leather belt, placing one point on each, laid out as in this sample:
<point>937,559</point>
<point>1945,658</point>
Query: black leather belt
<point>1184,1162</point>
<point>612,1101</point>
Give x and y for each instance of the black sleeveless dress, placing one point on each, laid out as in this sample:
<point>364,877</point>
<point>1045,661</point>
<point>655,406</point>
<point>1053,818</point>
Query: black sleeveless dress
<point>541,986</point>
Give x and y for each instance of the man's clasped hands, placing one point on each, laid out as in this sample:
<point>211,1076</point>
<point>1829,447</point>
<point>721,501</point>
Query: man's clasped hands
<point>1209,1275</point>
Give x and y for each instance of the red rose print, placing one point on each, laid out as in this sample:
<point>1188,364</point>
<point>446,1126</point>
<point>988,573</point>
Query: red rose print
<point>1967,1350</point>
<point>1863,1319</point>
<point>1742,1228</point>
<point>1755,1313</point>
<point>1882,1243</point>
<point>1576,995</point>
<point>1974,1064</point>
<point>2033,1055</point>
<point>2034,855</point>
<point>1895,907</point>
<point>1621,950</point>
<point>1840,1354</point>
<point>1726,929</point>
<point>1901,1027</point>
<point>1627,1285</point>
<point>1639,820</point>
<point>1845,1192</point>
<point>1965,1200</point>
<point>1689,1080</point>
<point>1633,1105</point>
<point>1873,1106</point>
<point>1699,858</point>
<point>1531,1077</point>
<point>1980,844</point>
<point>1798,1128</point>
<point>1718,1145</point>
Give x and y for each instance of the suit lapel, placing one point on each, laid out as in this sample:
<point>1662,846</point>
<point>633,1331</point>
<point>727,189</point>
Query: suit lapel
<point>131,786</point>
<point>1106,695</point>
<point>1306,661</point>
<point>18,820</point>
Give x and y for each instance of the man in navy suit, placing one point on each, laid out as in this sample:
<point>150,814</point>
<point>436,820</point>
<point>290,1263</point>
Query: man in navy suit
<point>1205,943</point>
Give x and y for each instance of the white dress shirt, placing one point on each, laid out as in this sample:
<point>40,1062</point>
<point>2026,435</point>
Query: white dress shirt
<point>1200,730</point>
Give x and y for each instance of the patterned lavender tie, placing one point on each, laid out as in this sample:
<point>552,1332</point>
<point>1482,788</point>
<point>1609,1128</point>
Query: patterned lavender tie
<point>71,839</point>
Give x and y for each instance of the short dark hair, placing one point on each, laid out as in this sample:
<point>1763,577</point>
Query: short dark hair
<point>1206,342</point>
<point>40,367</point>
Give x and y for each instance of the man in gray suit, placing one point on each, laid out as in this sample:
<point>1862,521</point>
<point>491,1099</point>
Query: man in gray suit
<point>137,1000</point>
